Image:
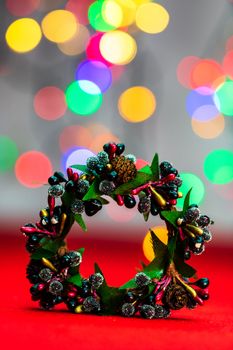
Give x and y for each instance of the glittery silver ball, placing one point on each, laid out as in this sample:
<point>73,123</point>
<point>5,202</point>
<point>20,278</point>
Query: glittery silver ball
<point>142,279</point>
<point>207,235</point>
<point>147,311</point>
<point>96,280</point>
<point>144,205</point>
<point>75,258</point>
<point>77,207</point>
<point>107,187</point>
<point>131,157</point>
<point>128,310</point>
<point>103,158</point>
<point>56,191</point>
<point>83,186</point>
<point>161,312</point>
<point>92,162</point>
<point>55,287</point>
<point>91,304</point>
<point>46,274</point>
<point>192,214</point>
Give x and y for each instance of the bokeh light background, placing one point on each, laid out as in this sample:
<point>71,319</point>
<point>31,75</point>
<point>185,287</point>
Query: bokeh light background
<point>157,76</point>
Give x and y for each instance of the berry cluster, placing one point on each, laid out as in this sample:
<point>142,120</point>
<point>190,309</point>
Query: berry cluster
<point>195,228</point>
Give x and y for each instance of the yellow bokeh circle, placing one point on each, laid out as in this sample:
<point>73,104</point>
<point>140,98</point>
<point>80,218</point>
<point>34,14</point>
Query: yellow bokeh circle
<point>161,233</point>
<point>137,104</point>
<point>23,35</point>
<point>118,47</point>
<point>59,26</point>
<point>112,13</point>
<point>128,8</point>
<point>77,44</point>
<point>152,18</point>
<point>209,129</point>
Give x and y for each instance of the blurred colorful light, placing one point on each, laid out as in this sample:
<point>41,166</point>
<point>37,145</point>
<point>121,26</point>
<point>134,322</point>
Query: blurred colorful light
<point>46,6</point>
<point>218,166</point>
<point>189,181</point>
<point>76,156</point>
<point>8,153</point>
<point>22,8</point>
<point>198,98</point>
<point>101,139</point>
<point>49,103</point>
<point>93,49</point>
<point>112,13</point>
<point>140,163</point>
<point>205,72</point>
<point>32,169</point>
<point>205,113</point>
<point>83,97</point>
<point>96,18</point>
<point>223,98</point>
<point>95,71</point>
<point>120,214</point>
<point>118,47</point>
<point>79,9</point>
<point>184,70</point>
<point>128,8</point>
<point>161,233</point>
<point>209,129</point>
<point>77,44</point>
<point>152,18</point>
<point>228,64</point>
<point>137,104</point>
<point>59,26</point>
<point>75,136</point>
<point>23,35</point>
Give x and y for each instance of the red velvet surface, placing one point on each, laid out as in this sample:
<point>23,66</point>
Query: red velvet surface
<point>24,325</point>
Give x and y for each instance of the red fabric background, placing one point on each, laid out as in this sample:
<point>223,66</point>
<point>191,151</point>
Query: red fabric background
<point>24,325</point>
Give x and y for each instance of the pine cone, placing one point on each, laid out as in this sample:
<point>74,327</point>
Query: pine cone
<point>175,297</point>
<point>125,169</point>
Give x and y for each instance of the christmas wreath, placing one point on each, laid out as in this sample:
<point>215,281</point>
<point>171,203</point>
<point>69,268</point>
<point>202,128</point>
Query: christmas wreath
<point>166,283</point>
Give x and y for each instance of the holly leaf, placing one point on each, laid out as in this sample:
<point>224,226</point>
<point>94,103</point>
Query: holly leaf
<point>187,201</point>
<point>76,280</point>
<point>80,221</point>
<point>103,200</point>
<point>42,253</point>
<point>111,297</point>
<point>140,179</point>
<point>157,266</point>
<point>184,269</point>
<point>51,245</point>
<point>146,170</point>
<point>93,191</point>
<point>83,168</point>
<point>171,216</point>
<point>146,216</point>
<point>172,247</point>
<point>155,166</point>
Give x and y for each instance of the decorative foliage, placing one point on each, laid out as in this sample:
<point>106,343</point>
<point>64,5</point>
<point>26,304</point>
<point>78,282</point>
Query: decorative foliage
<point>166,283</point>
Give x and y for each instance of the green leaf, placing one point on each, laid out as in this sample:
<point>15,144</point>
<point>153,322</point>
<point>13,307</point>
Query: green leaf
<point>171,216</point>
<point>82,168</point>
<point>42,253</point>
<point>76,280</point>
<point>131,284</point>
<point>146,170</point>
<point>157,266</point>
<point>93,191</point>
<point>80,221</point>
<point>172,247</point>
<point>51,245</point>
<point>111,297</point>
<point>146,216</point>
<point>155,166</point>
<point>187,201</point>
<point>140,179</point>
<point>184,269</point>
<point>103,200</point>
<point>81,251</point>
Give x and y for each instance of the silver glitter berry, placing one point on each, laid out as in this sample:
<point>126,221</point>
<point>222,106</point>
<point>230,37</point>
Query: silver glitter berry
<point>128,310</point>
<point>144,205</point>
<point>192,214</point>
<point>103,158</point>
<point>161,312</point>
<point>92,162</point>
<point>106,187</point>
<point>207,235</point>
<point>46,274</point>
<point>77,207</point>
<point>76,258</point>
<point>91,304</point>
<point>131,157</point>
<point>147,311</point>
<point>56,191</point>
<point>96,280</point>
<point>55,287</point>
<point>142,279</point>
<point>83,186</point>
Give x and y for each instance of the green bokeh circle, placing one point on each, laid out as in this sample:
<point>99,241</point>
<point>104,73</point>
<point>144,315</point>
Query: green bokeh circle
<point>190,180</point>
<point>8,153</point>
<point>218,166</point>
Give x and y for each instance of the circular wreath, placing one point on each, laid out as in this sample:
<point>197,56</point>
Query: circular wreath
<point>166,283</point>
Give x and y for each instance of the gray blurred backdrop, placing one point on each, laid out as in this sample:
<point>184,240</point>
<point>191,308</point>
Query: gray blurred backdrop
<point>198,28</point>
